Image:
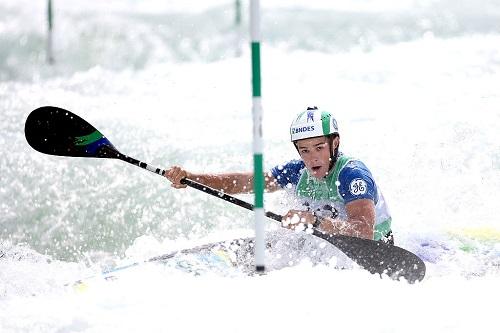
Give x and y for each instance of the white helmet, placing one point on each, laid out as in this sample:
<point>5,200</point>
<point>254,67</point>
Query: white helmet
<point>313,123</point>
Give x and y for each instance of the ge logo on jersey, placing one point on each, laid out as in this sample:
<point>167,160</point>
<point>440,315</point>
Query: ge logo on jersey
<point>358,186</point>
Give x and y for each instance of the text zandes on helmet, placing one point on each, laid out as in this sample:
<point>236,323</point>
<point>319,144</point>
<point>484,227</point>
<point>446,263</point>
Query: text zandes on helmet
<point>303,129</point>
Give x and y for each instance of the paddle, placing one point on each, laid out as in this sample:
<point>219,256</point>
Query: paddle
<point>55,131</point>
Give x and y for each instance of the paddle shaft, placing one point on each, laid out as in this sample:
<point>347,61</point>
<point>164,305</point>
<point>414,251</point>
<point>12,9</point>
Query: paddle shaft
<point>195,184</point>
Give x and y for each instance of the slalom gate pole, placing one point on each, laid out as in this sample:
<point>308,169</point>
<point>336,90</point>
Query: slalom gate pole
<point>237,14</point>
<point>50,25</point>
<point>259,212</point>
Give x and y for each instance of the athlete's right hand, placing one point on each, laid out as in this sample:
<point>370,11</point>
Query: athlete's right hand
<point>175,174</point>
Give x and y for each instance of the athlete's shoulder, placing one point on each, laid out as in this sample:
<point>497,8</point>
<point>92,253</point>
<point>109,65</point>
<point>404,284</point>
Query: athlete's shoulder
<point>355,165</point>
<point>288,174</point>
<point>356,182</point>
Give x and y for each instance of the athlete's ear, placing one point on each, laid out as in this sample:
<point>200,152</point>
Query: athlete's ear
<point>336,142</point>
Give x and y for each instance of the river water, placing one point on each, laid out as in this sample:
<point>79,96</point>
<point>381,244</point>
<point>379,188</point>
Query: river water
<point>413,85</point>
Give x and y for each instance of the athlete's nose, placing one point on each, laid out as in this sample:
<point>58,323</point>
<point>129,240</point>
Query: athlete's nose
<point>315,156</point>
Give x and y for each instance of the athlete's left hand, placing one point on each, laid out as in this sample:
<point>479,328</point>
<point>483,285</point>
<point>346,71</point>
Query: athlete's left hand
<point>298,220</point>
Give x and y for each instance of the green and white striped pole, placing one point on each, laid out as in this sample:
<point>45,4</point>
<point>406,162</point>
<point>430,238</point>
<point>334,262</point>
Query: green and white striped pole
<point>50,54</point>
<point>237,16</point>
<point>257,137</point>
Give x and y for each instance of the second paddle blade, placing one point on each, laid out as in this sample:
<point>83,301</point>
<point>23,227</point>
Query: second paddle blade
<point>55,131</point>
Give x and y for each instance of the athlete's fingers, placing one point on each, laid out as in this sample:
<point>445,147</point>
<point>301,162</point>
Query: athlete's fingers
<point>175,174</point>
<point>297,219</point>
<point>178,174</point>
<point>290,219</point>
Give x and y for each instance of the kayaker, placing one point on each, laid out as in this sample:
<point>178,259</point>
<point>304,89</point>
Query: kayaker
<point>336,193</point>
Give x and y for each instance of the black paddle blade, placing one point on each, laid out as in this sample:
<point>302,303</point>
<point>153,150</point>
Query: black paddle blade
<point>378,257</point>
<point>55,131</point>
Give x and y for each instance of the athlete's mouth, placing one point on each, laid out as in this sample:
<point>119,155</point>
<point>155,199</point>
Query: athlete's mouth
<point>316,168</point>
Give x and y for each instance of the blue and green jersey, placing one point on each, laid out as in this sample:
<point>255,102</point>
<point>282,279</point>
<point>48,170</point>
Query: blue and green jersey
<point>348,180</point>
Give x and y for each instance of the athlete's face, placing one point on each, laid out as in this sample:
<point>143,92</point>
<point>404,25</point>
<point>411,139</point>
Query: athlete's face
<point>315,152</point>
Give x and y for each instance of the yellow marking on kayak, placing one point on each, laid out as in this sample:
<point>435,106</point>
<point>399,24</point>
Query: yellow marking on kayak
<point>487,234</point>
<point>224,256</point>
<point>80,287</point>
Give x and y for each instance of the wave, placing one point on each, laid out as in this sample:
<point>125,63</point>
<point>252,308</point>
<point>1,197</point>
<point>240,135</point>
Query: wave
<point>124,35</point>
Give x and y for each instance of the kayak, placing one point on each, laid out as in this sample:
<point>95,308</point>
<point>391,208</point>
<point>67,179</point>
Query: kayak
<point>214,257</point>
<point>447,250</point>
<point>233,257</point>
<point>468,252</point>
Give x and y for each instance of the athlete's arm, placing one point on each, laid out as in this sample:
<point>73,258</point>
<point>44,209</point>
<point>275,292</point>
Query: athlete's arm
<point>231,183</point>
<point>360,220</point>
<point>359,192</point>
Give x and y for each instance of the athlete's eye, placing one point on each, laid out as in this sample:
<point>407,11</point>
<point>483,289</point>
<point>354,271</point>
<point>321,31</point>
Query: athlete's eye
<point>320,147</point>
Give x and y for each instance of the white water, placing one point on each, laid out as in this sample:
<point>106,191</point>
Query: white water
<point>414,85</point>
